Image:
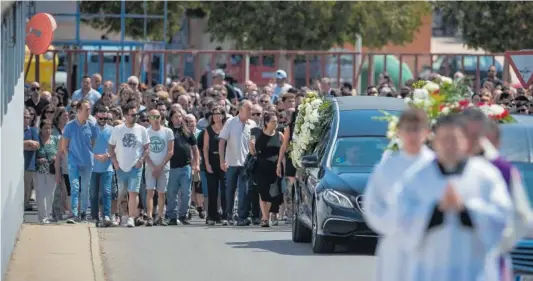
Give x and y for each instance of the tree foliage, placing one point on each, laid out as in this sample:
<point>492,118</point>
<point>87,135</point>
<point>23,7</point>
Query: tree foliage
<point>291,25</point>
<point>312,25</point>
<point>135,27</point>
<point>495,26</point>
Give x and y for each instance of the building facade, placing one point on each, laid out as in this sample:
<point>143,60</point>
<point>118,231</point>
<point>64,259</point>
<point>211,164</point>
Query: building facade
<point>13,21</point>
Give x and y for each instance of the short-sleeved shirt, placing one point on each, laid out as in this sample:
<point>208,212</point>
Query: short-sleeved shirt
<point>129,144</point>
<point>93,96</point>
<point>47,151</point>
<point>80,148</point>
<point>30,133</point>
<point>237,136</point>
<point>159,145</point>
<point>183,142</point>
<point>38,107</point>
<point>100,147</point>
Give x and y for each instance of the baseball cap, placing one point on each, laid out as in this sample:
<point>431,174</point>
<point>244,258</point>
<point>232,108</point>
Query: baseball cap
<point>281,74</point>
<point>219,73</point>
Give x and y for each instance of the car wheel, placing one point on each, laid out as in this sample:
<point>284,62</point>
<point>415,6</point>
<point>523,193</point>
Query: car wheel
<point>300,233</point>
<point>321,244</point>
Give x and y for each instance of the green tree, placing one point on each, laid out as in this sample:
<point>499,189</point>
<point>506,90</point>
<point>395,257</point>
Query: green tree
<point>313,25</point>
<point>495,26</point>
<point>291,25</point>
<point>135,27</point>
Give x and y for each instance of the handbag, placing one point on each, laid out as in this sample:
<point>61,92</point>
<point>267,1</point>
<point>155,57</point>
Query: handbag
<point>51,164</point>
<point>250,165</point>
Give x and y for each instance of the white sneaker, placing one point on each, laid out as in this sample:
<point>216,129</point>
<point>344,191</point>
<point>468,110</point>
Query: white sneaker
<point>131,222</point>
<point>124,221</point>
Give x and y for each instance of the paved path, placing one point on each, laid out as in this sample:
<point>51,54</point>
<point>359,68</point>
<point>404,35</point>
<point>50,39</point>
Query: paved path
<point>201,253</point>
<point>56,253</point>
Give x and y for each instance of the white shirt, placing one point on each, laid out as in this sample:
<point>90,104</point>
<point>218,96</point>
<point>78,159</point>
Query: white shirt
<point>129,144</point>
<point>237,136</point>
<point>159,145</point>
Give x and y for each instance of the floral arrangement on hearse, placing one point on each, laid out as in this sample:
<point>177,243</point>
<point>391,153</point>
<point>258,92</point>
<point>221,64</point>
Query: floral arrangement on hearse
<point>314,113</point>
<point>442,96</point>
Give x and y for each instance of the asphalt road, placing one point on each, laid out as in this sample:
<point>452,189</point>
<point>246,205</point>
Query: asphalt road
<point>200,253</point>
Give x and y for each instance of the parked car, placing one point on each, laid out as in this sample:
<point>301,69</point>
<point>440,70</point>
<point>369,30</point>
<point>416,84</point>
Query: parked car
<point>517,147</point>
<point>328,194</point>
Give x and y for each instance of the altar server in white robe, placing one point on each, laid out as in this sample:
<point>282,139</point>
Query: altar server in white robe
<point>412,133</point>
<point>520,223</point>
<point>451,214</point>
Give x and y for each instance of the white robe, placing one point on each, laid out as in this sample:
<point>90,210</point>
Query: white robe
<point>452,251</point>
<point>377,212</point>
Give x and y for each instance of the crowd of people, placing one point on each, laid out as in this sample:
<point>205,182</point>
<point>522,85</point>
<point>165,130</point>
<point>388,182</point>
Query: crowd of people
<point>159,155</point>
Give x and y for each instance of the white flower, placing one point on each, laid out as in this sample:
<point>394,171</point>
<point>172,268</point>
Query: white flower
<point>431,87</point>
<point>316,102</point>
<point>390,134</point>
<point>420,94</point>
<point>408,100</point>
<point>497,109</point>
<point>427,104</point>
<point>446,80</point>
<point>392,125</point>
<point>445,110</point>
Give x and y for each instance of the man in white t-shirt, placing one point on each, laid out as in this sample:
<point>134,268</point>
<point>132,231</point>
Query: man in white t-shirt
<point>129,145</point>
<point>157,166</point>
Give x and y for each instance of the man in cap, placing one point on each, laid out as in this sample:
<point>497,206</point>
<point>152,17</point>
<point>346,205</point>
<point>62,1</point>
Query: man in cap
<point>281,85</point>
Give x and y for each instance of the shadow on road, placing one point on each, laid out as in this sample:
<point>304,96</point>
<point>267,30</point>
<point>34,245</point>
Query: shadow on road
<point>288,247</point>
<point>282,247</point>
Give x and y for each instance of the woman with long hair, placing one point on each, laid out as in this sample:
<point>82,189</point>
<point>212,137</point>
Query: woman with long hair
<point>285,161</point>
<point>45,184</point>
<point>265,145</point>
<point>62,195</point>
<point>33,116</point>
<point>215,177</point>
<point>183,163</point>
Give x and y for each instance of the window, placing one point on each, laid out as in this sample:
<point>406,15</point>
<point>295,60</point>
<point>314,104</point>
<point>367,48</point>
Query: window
<point>320,149</point>
<point>359,151</point>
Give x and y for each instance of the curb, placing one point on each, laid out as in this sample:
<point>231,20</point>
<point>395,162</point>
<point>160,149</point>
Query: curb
<point>96,258</point>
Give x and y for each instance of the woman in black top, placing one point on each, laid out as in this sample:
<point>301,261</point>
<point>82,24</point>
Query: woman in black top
<point>183,161</point>
<point>214,174</point>
<point>266,146</point>
<point>285,161</point>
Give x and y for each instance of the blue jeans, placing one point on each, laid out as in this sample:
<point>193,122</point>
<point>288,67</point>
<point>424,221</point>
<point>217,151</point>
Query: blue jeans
<point>235,180</point>
<point>180,181</point>
<point>101,189</point>
<point>203,181</point>
<point>79,177</point>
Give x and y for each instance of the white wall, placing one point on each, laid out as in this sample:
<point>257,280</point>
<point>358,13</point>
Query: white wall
<point>13,19</point>
<point>12,173</point>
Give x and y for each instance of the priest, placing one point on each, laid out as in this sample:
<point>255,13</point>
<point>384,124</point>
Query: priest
<point>451,213</point>
<point>484,140</point>
<point>412,132</point>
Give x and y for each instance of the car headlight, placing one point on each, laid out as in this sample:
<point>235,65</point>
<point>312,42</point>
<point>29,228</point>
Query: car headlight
<point>337,198</point>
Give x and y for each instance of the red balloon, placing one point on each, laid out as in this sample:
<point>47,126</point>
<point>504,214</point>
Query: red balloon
<point>40,33</point>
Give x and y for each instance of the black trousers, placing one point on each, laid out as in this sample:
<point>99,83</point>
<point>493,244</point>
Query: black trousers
<point>255,211</point>
<point>216,184</point>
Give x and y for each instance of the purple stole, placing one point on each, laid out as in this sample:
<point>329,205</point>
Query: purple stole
<point>505,168</point>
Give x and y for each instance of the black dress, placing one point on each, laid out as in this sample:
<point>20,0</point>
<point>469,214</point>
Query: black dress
<point>290,170</point>
<point>265,177</point>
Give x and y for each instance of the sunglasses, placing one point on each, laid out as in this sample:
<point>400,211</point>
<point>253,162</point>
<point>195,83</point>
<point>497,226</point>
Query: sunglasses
<point>103,118</point>
<point>155,100</point>
<point>522,110</point>
<point>264,101</point>
<point>50,111</point>
<point>143,120</point>
<point>155,117</point>
<point>256,114</point>
<point>36,89</point>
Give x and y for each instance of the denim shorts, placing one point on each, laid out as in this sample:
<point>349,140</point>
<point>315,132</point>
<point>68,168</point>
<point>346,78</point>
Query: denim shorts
<point>160,183</point>
<point>129,180</point>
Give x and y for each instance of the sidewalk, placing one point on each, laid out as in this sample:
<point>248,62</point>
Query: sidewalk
<point>56,253</point>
